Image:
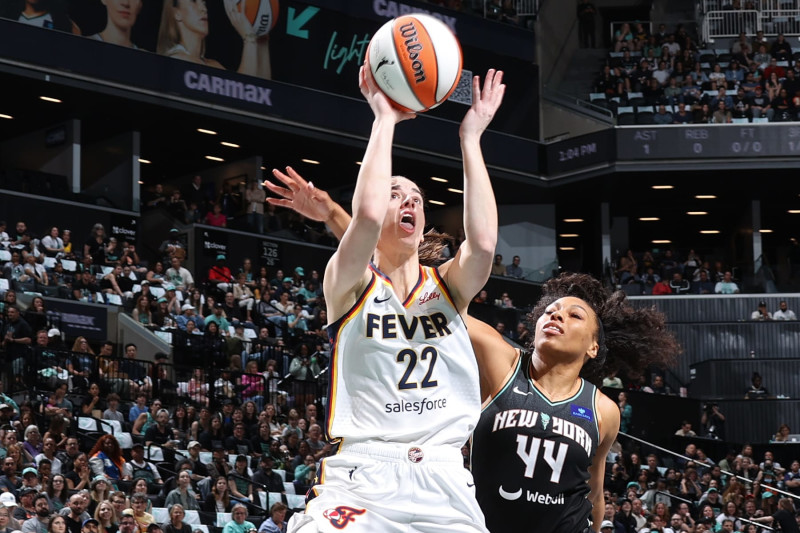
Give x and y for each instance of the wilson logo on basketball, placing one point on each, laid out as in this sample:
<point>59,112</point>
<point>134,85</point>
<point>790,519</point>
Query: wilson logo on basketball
<point>341,516</point>
<point>414,48</point>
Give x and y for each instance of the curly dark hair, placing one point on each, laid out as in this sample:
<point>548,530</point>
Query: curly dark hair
<point>630,339</point>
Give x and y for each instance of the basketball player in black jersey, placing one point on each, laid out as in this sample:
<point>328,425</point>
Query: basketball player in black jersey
<point>538,454</point>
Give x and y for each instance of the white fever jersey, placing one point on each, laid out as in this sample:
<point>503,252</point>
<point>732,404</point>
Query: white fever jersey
<point>403,371</point>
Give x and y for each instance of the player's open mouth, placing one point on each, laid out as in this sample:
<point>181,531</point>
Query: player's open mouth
<point>407,221</point>
<point>552,327</point>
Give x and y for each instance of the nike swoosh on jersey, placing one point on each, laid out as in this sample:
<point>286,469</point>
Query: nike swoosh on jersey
<point>381,301</point>
<point>523,393</point>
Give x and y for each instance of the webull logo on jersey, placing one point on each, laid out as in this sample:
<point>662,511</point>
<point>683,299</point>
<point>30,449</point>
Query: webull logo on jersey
<point>533,497</point>
<point>524,418</point>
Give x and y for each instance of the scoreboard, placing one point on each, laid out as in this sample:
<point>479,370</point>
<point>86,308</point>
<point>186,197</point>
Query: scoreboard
<point>712,141</point>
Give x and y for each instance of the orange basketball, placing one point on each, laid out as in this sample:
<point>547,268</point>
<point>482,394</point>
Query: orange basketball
<point>416,61</point>
<point>262,14</point>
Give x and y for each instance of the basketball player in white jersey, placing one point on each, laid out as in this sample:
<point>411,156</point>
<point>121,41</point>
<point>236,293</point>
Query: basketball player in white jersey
<point>404,381</point>
<point>582,331</point>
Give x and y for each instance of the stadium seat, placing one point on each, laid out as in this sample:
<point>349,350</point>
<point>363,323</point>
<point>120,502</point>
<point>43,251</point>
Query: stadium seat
<point>597,96</point>
<point>645,117</point>
<point>281,473</point>
<point>626,116</point>
<point>296,501</point>
<point>160,514</point>
<point>288,488</point>
<point>760,120</point>
<point>222,519</point>
<point>739,121</point>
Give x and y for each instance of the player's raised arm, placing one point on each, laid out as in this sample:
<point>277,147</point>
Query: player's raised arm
<point>306,199</point>
<point>346,273</point>
<point>469,270</point>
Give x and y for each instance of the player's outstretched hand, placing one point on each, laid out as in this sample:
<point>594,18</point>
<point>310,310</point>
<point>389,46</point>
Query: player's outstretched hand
<point>485,103</point>
<point>378,101</point>
<point>300,195</point>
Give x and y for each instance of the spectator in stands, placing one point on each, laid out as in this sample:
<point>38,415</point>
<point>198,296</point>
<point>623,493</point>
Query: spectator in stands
<point>172,247</point>
<point>661,288</point>
<point>623,38</point>
<point>214,437</point>
<point>276,522</point>
<point>761,313</point>
<point>10,481</point>
<point>784,313</point>
<point>514,270</point>
<point>673,90</point>
<point>783,106</point>
<point>662,116</point>
<point>182,497</point>
<point>791,83</point>
<point>772,77</point>
<point>757,391</point>
<point>17,337</point>
<point>220,275</point>
<point>267,479</point>
<point>85,289</point>
<point>652,93</point>
<point>741,105</point>
<point>760,104</point>
<point>160,433</point>
<point>49,452</point>
<point>216,217</point>
<point>141,312</point>
<point>95,245</point>
<point>39,523</point>
<point>781,49</point>
<point>704,285</point>
<point>239,481</point>
<point>678,284</point>
<point>68,455</point>
<point>727,285</point>
<point>178,276</point>
<point>139,468</point>
<point>106,517</point>
<point>722,114</point>
<point>662,73</point>
<point>138,505</point>
<point>239,524</point>
<point>112,283</point>
<point>53,244</point>
<point>106,459</point>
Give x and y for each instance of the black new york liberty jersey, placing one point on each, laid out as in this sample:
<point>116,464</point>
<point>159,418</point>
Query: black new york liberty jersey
<point>531,458</point>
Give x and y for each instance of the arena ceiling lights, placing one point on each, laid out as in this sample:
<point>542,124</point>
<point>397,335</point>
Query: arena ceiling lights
<point>214,158</point>
<point>573,220</point>
<point>207,132</point>
<point>435,202</point>
<point>7,117</point>
<point>696,213</point>
<point>705,196</point>
<point>440,180</point>
<point>649,219</point>
<point>662,187</point>
<point>50,99</point>
<point>230,145</point>
<point>310,161</point>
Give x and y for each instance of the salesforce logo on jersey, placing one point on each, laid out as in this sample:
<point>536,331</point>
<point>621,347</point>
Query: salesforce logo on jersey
<point>582,412</point>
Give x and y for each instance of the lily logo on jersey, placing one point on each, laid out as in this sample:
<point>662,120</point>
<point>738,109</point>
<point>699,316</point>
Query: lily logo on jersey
<point>582,412</point>
<point>342,515</point>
